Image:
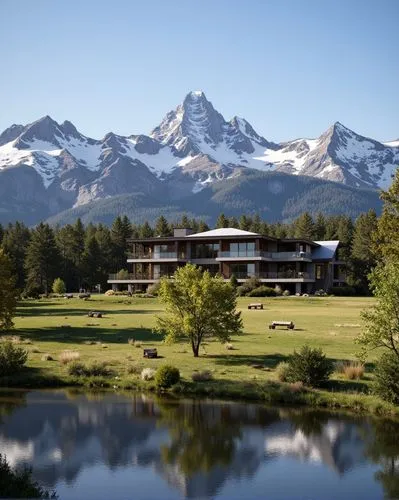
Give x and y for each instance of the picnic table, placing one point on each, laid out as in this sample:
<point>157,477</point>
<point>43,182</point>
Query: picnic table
<point>150,353</point>
<point>289,324</point>
<point>255,305</point>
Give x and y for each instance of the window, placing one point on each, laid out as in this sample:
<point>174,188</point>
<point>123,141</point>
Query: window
<point>319,271</point>
<point>205,251</point>
<point>242,271</point>
<point>242,249</point>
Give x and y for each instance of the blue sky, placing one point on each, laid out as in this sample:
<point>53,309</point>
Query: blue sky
<point>290,67</point>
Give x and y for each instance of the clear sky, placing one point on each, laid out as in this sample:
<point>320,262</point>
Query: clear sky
<point>290,67</point>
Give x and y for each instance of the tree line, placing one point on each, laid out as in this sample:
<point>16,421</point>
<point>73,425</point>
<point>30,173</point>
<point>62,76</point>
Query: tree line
<point>83,256</point>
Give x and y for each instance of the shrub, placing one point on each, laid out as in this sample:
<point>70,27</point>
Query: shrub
<point>351,370</point>
<point>241,290</point>
<point>109,293</point>
<point>59,286</point>
<point>282,370</point>
<point>167,376</point>
<point>233,281</point>
<point>77,369</point>
<point>278,290</point>
<point>67,356</point>
<point>32,291</point>
<point>148,374</point>
<point>286,293</point>
<point>249,285</point>
<point>153,289</point>
<point>12,358</point>
<point>320,293</point>
<point>202,376</point>
<point>262,291</point>
<point>342,291</point>
<point>123,274</point>
<point>309,366</point>
<point>133,369</point>
<point>19,484</point>
<point>386,383</point>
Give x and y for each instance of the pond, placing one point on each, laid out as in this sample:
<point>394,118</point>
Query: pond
<point>132,446</point>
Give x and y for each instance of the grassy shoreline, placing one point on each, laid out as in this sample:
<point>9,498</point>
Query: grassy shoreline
<point>245,373</point>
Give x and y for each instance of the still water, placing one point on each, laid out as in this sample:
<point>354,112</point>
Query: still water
<point>109,446</point>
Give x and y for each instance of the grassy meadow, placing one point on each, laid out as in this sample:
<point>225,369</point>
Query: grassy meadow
<point>47,327</point>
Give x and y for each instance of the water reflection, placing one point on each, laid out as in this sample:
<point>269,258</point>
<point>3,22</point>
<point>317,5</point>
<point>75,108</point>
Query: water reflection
<point>197,448</point>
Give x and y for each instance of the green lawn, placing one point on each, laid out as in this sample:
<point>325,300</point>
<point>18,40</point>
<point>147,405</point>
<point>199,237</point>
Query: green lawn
<point>55,325</point>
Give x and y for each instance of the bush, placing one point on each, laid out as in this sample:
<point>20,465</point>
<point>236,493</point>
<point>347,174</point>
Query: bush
<point>262,291</point>
<point>19,484</point>
<point>95,369</point>
<point>32,291</point>
<point>286,293</point>
<point>249,285</point>
<point>278,290</point>
<point>167,376</point>
<point>386,383</point>
<point>109,293</point>
<point>342,291</point>
<point>320,293</point>
<point>59,286</point>
<point>309,366</point>
<point>148,374</point>
<point>12,358</point>
<point>153,289</point>
<point>282,371</point>
<point>233,281</point>
<point>202,376</point>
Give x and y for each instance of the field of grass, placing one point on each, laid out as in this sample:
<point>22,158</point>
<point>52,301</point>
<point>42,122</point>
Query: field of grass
<point>51,326</point>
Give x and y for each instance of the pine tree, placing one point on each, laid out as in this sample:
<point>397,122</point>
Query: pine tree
<point>162,227</point>
<point>1,233</point>
<point>320,227</point>
<point>304,227</point>
<point>256,224</point>
<point>146,231</point>
<point>202,226</point>
<point>8,293</point>
<point>245,223</point>
<point>264,229</point>
<point>42,259</point>
<point>386,237</point>
<point>233,222</point>
<point>92,263</point>
<point>222,221</point>
<point>15,243</point>
<point>345,234</point>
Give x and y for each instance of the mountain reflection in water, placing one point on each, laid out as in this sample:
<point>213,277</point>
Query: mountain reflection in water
<point>197,449</point>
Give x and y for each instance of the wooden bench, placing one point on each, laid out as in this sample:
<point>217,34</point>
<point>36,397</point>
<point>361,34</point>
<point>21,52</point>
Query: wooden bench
<point>150,353</point>
<point>68,296</point>
<point>95,314</point>
<point>289,324</point>
<point>255,305</point>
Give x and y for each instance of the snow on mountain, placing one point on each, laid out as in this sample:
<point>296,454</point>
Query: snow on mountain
<point>192,147</point>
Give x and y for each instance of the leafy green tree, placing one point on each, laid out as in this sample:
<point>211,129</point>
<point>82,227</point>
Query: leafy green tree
<point>59,286</point>
<point>198,306</point>
<point>382,320</point>
<point>42,258</point>
<point>8,294</point>
<point>222,221</point>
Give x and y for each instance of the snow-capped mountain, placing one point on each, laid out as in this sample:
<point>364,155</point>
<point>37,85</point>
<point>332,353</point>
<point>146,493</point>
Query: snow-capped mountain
<point>192,147</point>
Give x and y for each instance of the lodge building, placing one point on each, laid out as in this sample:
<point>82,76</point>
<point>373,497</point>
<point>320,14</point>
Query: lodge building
<point>298,265</point>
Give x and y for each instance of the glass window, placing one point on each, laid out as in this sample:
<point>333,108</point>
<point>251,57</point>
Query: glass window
<point>251,269</point>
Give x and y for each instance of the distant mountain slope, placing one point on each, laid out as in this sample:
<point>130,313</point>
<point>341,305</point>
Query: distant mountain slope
<point>47,167</point>
<point>274,196</point>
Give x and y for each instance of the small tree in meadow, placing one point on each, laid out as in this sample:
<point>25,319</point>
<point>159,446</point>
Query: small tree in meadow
<point>198,306</point>
<point>59,286</point>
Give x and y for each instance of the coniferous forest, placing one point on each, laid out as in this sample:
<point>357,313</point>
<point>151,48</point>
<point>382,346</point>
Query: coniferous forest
<point>83,255</point>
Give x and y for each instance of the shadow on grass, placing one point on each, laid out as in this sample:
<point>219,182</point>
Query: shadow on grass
<point>35,311</point>
<point>268,360</point>
<point>83,334</point>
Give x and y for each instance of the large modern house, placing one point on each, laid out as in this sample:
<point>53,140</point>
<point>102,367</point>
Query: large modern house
<point>299,265</point>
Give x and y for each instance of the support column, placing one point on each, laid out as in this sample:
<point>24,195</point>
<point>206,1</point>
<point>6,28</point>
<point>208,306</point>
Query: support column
<point>130,288</point>
<point>298,287</point>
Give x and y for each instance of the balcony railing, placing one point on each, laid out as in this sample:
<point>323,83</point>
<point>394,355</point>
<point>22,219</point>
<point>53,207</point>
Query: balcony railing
<point>276,275</point>
<point>266,255</point>
<point>156,255</point>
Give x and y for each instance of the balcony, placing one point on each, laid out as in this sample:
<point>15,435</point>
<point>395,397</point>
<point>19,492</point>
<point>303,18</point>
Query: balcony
<point>278,276</point>
<point>261,255</point>
<point>138,277</point>
<point>156,256</point>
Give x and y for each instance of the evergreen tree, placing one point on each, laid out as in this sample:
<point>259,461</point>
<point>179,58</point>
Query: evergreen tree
<point>222,221</point>
<point>15,243</point>
<point>386,237</point>
<point>202,226</point>
<point>92,263</point>
<point>256,224</point>
<point>245,223</point>
<point>304,227</point>
<point>264,229</point>
<point>320,227</point>
<point>42,259</point>
<point>146,231</point>
<point>345,234</point>
<point>8,293</point>
<point>233,222</point>
<point>1,233</point>
<point>362,257</point>
<point>162,227</point>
